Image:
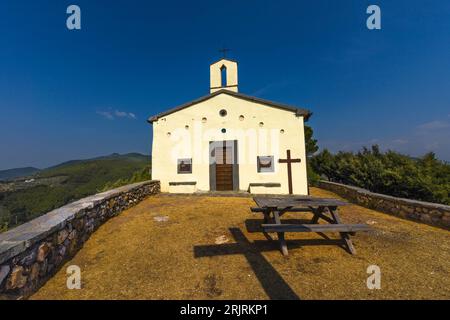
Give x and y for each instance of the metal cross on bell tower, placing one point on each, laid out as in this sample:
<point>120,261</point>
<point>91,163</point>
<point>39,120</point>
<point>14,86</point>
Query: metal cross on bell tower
<point>224,51</point>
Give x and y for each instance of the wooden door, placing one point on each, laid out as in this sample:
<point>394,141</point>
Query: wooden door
<point>224,168</point>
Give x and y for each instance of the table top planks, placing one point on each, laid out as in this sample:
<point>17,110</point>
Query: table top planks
<point>296,202</point>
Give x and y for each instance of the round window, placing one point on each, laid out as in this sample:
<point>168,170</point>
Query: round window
<point>223,112</point>
<point>261,124</point>
<point>186,127</point>
<point>204,119</point>
<point>241,118</point>
<point>282,131</point>
<point>223,130</point>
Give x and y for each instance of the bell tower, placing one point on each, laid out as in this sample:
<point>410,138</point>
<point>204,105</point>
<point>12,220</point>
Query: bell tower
<point>223,75</point>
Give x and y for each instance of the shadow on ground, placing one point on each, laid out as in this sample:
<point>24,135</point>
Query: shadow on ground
<point>271,281</point>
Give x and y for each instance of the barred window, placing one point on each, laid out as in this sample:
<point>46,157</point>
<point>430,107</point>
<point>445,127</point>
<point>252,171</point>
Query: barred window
<point>184,165</point>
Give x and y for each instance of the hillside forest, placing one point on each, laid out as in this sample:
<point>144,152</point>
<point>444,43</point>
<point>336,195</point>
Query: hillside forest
<point>26,198</point>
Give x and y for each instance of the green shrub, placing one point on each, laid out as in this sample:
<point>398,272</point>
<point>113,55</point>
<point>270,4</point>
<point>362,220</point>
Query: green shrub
<point>313,177</point>
<point>426,178</point>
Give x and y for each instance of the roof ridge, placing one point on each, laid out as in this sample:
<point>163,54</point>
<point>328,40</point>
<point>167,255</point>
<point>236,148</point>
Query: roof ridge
<point>298,111</point>
<point>235,61</point>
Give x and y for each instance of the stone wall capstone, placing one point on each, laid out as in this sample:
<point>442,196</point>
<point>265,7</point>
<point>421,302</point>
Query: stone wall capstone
<point>426,212</point>
<point>32,252</point>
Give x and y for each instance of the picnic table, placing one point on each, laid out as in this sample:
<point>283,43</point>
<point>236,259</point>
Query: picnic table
<point>321,208</point>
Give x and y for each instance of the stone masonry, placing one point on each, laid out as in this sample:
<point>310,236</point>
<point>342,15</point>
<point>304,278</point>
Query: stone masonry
<point>32,252</point>
<point>426,212</point>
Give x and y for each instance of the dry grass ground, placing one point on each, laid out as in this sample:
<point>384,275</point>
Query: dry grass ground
<point>133,256</point>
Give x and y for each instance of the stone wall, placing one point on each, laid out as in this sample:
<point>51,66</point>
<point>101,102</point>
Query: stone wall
<point>425,212</point>
<point>32,252</point>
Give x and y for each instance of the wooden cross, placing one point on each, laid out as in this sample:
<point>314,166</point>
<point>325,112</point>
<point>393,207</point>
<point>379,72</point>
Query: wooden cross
<point>224,51</point>
<point>288,160</point>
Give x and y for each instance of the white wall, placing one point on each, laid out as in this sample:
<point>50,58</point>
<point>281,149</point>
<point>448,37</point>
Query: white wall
<point>216,75</point>
<point>253,140</point>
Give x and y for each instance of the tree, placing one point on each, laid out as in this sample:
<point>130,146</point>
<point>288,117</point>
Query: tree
<point>311,148</point>
<point>310,143</point>
<point>392,173</point>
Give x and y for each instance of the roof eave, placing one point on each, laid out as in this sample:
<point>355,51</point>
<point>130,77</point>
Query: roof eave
<point>298,111</point>
<point>306,115</point>
<point>223,59</point>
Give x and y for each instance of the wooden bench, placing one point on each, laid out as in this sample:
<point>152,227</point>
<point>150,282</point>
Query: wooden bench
<point>262,210</point>
<point>263,187</point>
<point>350,228</point>
<point>265,184</point>
<point>326,209</point>
<point>182,186</point>
<point>182,183</point>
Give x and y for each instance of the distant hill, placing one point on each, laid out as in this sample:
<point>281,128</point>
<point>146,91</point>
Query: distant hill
<point>17,173</point>
<point>58,185</point>
<point>131,157</point>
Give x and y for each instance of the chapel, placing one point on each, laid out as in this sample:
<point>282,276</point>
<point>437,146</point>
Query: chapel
<point>230,141</point>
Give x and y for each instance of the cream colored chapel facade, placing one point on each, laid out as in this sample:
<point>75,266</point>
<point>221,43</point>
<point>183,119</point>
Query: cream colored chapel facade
<point>230,141</point>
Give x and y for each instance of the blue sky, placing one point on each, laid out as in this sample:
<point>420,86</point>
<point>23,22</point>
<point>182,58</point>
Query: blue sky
<point>78,94</point>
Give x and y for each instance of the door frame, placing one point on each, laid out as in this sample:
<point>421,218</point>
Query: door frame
<point>212,162</point>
